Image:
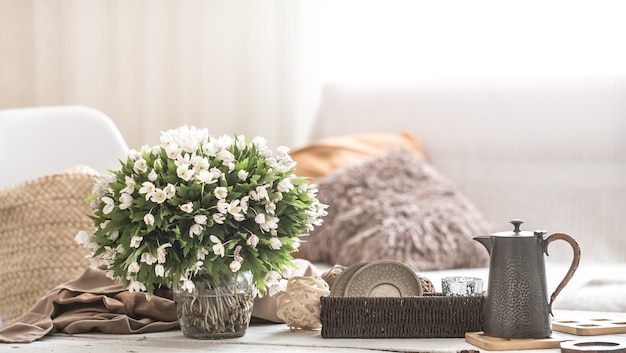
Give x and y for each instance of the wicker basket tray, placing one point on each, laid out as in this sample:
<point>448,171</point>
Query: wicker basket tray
<point>428,316</point>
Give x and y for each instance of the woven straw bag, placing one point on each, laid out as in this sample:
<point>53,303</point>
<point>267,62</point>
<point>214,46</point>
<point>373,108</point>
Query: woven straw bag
<point>38,222</point>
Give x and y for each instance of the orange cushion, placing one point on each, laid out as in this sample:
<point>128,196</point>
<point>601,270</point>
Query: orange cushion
<point>322,157</point>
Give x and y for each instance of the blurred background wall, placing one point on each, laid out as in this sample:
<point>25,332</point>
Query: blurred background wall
<point>257,66</point>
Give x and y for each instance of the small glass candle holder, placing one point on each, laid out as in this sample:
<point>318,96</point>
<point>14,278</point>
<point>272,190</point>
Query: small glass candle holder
<point>462,286</point>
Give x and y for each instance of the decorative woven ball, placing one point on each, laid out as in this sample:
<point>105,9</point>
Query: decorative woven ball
<point>427,285</point>
<point>299,304</point>
<point>332,274</point>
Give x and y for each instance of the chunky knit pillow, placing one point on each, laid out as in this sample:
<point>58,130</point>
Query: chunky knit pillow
<point>39,220</point>
<point>396,206</point>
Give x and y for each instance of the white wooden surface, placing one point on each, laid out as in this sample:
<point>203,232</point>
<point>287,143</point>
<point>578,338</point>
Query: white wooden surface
<point>274,338</point>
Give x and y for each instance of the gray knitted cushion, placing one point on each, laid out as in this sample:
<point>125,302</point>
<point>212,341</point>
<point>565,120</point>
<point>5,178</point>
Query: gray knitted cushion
<point>396,206</point>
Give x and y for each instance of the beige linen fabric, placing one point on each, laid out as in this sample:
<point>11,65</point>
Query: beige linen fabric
<point>92,302</point>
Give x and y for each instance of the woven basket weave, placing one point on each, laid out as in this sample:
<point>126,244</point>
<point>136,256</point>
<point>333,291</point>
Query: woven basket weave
<point>38,222</point>
<point>428,316</point>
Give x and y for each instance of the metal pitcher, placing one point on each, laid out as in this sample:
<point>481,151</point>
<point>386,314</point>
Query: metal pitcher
<point>517,303</point>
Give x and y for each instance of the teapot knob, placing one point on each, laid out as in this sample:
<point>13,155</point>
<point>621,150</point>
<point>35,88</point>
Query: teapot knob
<point>516,223</point>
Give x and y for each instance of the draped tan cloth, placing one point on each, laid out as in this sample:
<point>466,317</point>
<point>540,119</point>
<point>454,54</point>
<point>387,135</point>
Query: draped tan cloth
<point>93,302</point>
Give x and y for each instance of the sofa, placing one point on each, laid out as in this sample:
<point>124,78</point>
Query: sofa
<point>548,150</point>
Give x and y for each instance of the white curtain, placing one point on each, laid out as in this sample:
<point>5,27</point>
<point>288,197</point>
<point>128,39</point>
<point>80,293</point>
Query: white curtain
<point>405,40</point>
<point>257,66</point>
<point>233,66</point>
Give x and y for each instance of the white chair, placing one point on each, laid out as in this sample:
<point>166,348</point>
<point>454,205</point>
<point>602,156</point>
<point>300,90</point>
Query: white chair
<point>42,203</point>
<point>37,141</point>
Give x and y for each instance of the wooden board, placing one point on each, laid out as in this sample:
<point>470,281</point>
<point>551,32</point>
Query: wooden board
<point>590,327</point>
<point>593,346</point>
<point>479,340</point>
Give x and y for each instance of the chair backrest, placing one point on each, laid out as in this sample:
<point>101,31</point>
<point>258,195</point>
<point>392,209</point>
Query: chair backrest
<point>41,140</point>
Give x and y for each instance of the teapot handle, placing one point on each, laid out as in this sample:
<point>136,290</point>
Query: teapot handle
<point>573,266</point>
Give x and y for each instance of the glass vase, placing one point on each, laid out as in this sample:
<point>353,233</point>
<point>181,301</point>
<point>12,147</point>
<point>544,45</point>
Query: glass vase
<point>216,308</point>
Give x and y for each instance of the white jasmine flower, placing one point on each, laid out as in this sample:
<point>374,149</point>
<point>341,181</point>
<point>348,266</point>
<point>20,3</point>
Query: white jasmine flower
<point>282,151</point>
<point>218,248</point>
<point>235,210</point>
<point>158,196</point>
<point>134,267</point>
<point>210,148</point>
<point>187,285</point>
<point>244,204</point>
<point>133,154</point>
<point>269,224</point>
<point>220,192</point>
<point>242,174</point>
<point>285,185</point>
<point>225,156</point>
<point>161,252</point>
<point>172,151</point>
<point>270,208</point>
<point>152,176</point>
<point>205,177</point>
<point>159,270</point>
<point>195,229</point>
<point>170,191</point>
<point>240,142</point>
<point>130,185</point>
<point>235,266</point>
<point>218,218</point>
<point>253,240</point>
<point>202,253</point>
<point>187,207</point>
<point>184,172</point>
<point>225,141</point>
<point>217,174</point>
<point>200,219</point>
<point>140,165</point>
<point>272,281</point>
<point>109,205</point>
<point>148,258</point>
<point>147,188</point>
<point>271,162</point>
<point>148,219</point>
<point>275,243</point>
<point>260,143</point>
<point>125,201</point>
<point>136,286</point>
<point>260,218</point>
<point>83,238</point>
<point>200,163</point>
<point>135,241</point>
<point>222,206</point>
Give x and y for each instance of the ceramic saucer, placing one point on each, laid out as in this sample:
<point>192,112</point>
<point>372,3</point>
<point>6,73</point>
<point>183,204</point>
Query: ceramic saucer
<point>383,279</point>
<point>339,287</point>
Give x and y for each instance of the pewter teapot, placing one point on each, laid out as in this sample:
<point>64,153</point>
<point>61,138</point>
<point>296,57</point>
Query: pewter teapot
<point>517,303</point>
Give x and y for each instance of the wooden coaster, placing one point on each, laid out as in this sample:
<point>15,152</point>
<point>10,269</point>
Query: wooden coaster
<point>593,346</point>
<point>590,327</point>
<point>479,340</point>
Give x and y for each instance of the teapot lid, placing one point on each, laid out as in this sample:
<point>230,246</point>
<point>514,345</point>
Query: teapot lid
<point>516,231</point>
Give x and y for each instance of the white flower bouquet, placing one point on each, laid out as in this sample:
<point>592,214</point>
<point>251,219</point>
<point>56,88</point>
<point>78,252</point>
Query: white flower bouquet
<point>200,205</point>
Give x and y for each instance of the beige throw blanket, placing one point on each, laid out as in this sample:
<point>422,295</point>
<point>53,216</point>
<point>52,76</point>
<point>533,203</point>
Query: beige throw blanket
<point>93,302</point>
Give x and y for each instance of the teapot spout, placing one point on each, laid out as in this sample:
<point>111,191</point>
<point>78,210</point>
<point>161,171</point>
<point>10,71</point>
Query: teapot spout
<point>485,240</point>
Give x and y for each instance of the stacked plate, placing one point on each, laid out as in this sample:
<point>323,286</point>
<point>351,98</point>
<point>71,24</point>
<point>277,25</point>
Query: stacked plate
<point>382,278</point>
